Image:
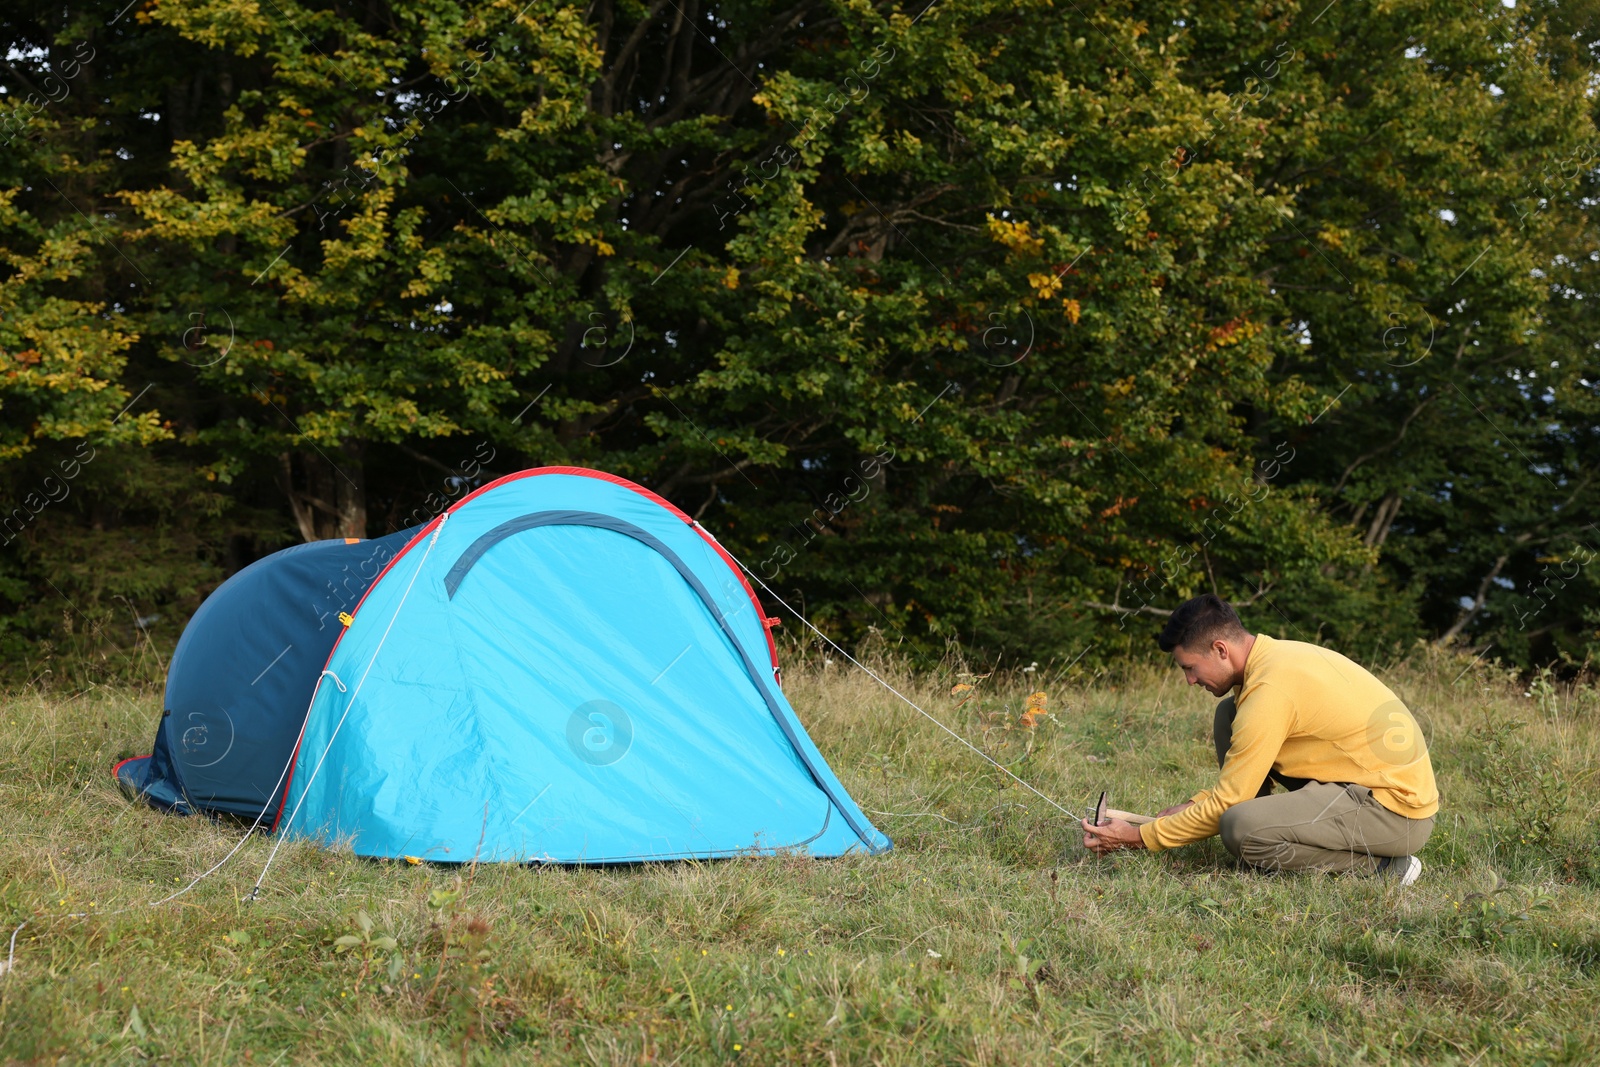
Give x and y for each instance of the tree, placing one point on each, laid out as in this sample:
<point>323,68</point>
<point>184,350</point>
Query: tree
<point>1001,323</point>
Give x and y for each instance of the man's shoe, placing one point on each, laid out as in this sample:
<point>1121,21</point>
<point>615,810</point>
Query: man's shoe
<point>1403,869</point>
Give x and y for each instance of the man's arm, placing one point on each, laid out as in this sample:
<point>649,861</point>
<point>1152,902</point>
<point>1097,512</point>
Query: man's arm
<point>1259,730</point>
<point>1118,834</point>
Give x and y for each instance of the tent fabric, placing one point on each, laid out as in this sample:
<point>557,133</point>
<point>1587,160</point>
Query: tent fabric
<point>561,668</point>
<point>243,673</point>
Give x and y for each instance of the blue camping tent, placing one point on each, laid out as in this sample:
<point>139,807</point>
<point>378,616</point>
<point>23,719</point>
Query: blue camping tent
<point>563,667</point>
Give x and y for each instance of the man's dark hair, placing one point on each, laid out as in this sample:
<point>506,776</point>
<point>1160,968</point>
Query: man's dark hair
<point>1199,622</point>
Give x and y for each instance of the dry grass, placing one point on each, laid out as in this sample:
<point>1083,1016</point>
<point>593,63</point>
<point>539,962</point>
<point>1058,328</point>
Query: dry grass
<point>984,937</point>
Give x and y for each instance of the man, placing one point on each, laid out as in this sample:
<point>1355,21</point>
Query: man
<point>1361,792</point>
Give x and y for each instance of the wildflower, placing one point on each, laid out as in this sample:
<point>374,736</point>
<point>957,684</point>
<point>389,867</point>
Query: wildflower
<point>781,952</point>
<point>932,955</point>
<point>740,1048</point>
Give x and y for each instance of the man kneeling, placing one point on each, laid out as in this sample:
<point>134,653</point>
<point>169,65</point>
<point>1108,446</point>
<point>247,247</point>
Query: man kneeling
<point>1361,792</point>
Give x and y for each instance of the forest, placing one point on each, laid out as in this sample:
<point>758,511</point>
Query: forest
<point>1005,325</point>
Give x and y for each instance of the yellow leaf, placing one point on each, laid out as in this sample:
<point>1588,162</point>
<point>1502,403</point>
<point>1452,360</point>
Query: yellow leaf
<point>1045,285</point>
<point>730,278</point>
<point>1015,236</point>
<point>413,860</point>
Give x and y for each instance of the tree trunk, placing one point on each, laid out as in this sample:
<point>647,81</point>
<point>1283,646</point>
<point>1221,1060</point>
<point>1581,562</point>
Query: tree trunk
<point>333,502</point>
<point>303,517</point>
<point>352,490</point>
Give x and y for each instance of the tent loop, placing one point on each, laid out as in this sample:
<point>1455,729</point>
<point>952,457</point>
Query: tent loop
<point>336,682</point>
<point>982,754</point>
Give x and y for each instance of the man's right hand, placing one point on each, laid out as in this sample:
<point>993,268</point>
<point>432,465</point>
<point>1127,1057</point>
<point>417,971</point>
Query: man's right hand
<point>1174,809</point>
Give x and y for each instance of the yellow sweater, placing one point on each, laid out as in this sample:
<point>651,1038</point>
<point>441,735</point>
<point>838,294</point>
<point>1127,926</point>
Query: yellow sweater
<point>1308,712</point>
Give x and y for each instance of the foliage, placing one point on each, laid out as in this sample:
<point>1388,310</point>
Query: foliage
<point>1143,302</point>
<point>1486,918</point>
<point>1526,791</point>
<point>363,944</point>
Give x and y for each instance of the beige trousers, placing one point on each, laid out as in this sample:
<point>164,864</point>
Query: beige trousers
<point>1316,826</point>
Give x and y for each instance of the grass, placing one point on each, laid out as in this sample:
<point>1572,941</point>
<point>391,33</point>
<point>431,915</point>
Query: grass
<point>985,937</point>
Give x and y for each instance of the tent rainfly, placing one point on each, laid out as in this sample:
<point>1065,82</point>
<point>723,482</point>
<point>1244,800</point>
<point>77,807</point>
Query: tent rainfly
<point>563,667</point>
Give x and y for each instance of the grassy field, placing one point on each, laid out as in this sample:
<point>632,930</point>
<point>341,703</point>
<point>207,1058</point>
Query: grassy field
<point>986,936</point>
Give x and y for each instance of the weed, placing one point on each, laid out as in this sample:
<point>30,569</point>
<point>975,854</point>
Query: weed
<point>1527,793</point>
<point>365,945</point>
<point>466,993</point>
<point>1486,918</point>
<point>1024,969</point>
<point>1542,689</point>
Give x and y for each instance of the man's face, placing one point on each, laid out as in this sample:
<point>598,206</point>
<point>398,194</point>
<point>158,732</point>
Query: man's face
<point>1208,667</point>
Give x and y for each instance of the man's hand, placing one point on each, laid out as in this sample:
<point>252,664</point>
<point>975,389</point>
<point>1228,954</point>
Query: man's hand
<point>1174,809</point>
<point>1114,835</point>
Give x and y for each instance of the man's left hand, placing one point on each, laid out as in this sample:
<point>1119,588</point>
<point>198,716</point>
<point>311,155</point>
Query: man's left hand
<point>1113,835</point>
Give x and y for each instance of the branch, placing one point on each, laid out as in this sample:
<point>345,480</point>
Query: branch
<point>625,54</point>
<point>1468,614</point>
<point>1359,460</point>
<point>483,472</point>
<point>1144,609</point>
<point>1266,587</point>
<point>714,478</point>
<point>1388,508</point>
<point>711,498</point>
<point>665,488</point>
